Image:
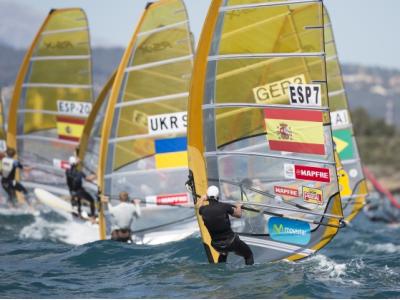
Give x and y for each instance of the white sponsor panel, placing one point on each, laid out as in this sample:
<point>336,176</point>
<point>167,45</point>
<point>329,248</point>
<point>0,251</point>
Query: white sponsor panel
<point>305,94</point>
<point>167,123</point>
<point>73,108</point>
<point>3,146</point>
<point>276,90</point>
<point>340,118</point>
<point>289,171</point>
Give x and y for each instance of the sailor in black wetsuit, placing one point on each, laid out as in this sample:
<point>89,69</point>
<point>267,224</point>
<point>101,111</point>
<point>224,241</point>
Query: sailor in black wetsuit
<point>8,182</point>
<point>74,181</point>
<point>216,219</point>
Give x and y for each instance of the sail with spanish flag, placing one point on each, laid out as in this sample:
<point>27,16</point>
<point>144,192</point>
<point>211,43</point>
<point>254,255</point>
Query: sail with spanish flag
<point>352,183</point>
<point>259,126</point>
<point>52,98</point>
<point>143,148</point>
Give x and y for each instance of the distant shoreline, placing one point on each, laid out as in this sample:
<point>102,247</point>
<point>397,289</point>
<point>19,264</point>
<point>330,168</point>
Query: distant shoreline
<point>388,177</point>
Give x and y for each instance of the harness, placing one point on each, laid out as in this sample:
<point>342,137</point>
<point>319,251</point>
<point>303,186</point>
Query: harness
<point>8,166</point>
<point>74,179</point>
<point>224,245</point>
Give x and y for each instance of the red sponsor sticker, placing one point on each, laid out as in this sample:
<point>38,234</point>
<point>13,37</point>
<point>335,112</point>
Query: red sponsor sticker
<point>312,173</point>
<point>312,195</point>
<point>285,191</point>
<point>175,199</point>
<point>64,165</point>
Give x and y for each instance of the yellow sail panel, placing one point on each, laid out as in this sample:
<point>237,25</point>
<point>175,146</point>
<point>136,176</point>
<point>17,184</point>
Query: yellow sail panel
<point>353,188</point>
<point>245,129</point>
<point>54,85</point>
<point>162,14</point>
<point>287,29</point>
<point>146,117</point>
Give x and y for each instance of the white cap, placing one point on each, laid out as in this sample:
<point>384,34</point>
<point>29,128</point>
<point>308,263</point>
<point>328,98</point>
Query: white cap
<point>72,160</point>
<point>213,191</point>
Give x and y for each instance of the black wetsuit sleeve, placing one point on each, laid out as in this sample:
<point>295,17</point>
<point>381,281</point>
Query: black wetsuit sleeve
<point>229,209</point>
<point>19,165</point>
<point>201,210</point>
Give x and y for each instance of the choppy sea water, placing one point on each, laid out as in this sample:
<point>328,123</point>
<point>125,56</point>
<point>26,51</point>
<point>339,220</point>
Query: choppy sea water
<point>40,258</point>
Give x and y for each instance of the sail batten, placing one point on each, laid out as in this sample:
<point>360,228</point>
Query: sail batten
<point>163,28</point>
<point>50,32</point>
<point>151,99</point>
<point>56,85</point>
<point>265,55</point>
<point>265,4</point>
<point>60,57</point>
<point>159,63</point>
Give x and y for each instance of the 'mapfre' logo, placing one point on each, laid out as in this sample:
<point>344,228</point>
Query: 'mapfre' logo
<point>289,231</point>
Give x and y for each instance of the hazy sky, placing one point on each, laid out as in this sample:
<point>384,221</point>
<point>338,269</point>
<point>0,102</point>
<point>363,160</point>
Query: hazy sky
<point>366,31</point>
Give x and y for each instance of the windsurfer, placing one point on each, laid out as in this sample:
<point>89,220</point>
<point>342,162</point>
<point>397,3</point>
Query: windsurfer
<point>122,216</point>
<point>75,184</point>
<point>9,168</point>
<point>216,219</point>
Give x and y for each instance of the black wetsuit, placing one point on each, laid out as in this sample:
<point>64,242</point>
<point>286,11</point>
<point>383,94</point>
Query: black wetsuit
<point>74,182</point>
<point>224,240</point>
<point>8,182</point>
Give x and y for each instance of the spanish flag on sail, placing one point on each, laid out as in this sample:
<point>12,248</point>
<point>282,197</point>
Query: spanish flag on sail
<point>171,153</point>
<point>69,128</point>
<point>291,130</point>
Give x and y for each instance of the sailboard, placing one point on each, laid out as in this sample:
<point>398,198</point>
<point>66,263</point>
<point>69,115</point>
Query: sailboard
<point>352,183</point>
<point>52,98</point>
<point>259,126</point>
<point>143,139</point>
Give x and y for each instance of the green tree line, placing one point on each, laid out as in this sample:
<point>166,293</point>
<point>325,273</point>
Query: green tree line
<point>379,143</point>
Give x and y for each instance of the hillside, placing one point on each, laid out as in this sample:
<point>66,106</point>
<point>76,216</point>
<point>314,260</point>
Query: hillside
<point>372,88</point>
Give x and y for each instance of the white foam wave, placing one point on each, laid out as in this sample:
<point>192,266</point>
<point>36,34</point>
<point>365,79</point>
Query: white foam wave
<point>389,248</point>
<point>326,269</point>
<point>329,266</point>
<point>69,232</point>
<point>18,211</point>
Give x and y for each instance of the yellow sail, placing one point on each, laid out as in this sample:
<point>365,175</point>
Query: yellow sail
<point>259,82</point>
<point>52,98</point>
<point>353,188</point>
<point>3,134</point>
<point>143,145</point>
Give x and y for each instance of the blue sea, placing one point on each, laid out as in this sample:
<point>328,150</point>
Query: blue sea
<point>44,257</point>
